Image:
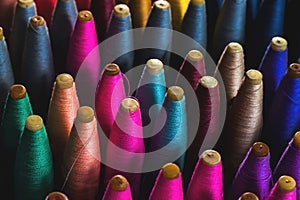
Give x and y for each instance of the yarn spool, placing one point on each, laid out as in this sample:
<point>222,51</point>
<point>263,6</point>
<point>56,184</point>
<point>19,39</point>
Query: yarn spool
<point>118,188</point>
<point>168,184</point>
<point>81,163</point>
<point>139,12</point>
<point>37,70</point>
<point>230,26</point>
<point>120,22</point>
<point>127,134</point>
<point>61,115</point>
<point>232,69</point>
<point>33,177</point>
<point>24,10</point>
<point>279,130</point>
<point>273,66</point>
<point>207,170</point>
<point>289,162</point>
<point>6,72</point>
<point>283,189</point>
<point>64,18</point>
<point>254,173</point>
<point>178,10</point>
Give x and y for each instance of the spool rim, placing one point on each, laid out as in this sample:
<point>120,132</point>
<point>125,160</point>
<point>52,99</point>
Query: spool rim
<point>175,93</point>
<point>254,77</point>
<point>85,16</point>
<point>37,21</point>
<point>195,55</point>
<point>161,5</point>
<point>56,196</point>
<point>170,171</point>
<point>17,91</point>
<point>85,114</point>
<point>118,183</point>
<point>130,105</point>
<point>294,70</point>
<point>208,82</point>
<point>260,149</point>
<point>286,184</point>
<point>279,43</point>
<point>211,157</point>
<point>121,10</point>
<point>64,81</point>
<point>112,69</point>
<point>34,123</point>
<point>154,66</point>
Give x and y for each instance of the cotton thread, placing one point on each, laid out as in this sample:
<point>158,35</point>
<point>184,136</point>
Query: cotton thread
<point>37,70</point>
<point>45,9</point>
<point>207,181</point>
<point>178,10</point>
<point>254,173</point>
<point>61,115</point>
<point>34,167</point>
<point>24,10</point>
<point>140,11</point>
<point>64,18</point>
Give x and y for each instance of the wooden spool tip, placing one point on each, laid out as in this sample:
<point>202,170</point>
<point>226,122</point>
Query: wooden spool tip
<point>211,157</point>
<point>234,47</point>
<point>112,69</point>
<point>248,196</point>
<point>121,10</point>
<point>85,114</point>
<point>1,34</point>
<point>56,196</point>
<point>294,70</point>
<point>195,55</point>
<point>64,81</point>
<point>197,2</point>
<point>17,91</point>
<point>278,44</point>
<point>170,171</point>
<point>118,183</point>
<point>286,184</point>
<point>175,93</point>
<point>25,3</point>
<point>154,66</point>
<point>260,149</point>
<point>296,139</point>
<point>34,123</point>
<point>208,82</point>
<point>162,5</point>
<point>85,16</point>
<point>254,77</point>
<point>130,105</point>
<point>37,21</point>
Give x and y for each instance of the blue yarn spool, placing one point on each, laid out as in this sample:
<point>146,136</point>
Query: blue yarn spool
<point>213,8</point>
<point>268,24</point>
<point>230,26</point>
<point>283,120</point>
<point>63,22</point>
<point>6,72</point>
<point>291,31</point>
<point>151,92</point>
<point>37,66</point>
<point>194,22</point>
<point>160,17</point>
<point>120,21</point>
<point>17,37</point>
<point>273,67</point>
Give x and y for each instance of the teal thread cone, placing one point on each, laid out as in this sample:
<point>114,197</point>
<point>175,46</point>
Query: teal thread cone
<point>34,167</point>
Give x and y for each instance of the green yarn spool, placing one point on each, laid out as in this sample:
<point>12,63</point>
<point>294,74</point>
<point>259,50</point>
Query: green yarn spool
<point>34,178</point>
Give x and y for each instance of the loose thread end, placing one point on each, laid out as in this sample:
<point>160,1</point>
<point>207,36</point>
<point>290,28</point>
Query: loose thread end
<point>234,47</point>
<point>254,77</point>
<point>248,196</point>
<point>37,21</point>
<point>121,10</point>
<point>85,114</point>
<point>198,2</point>
<point>17,91</point>
<point>294,70</point>
<point>194,55</point>
<point>111,69</point>
<point>64,81</point>
<point>56,196</point>
<point>175,93</point>
<point>296,139</point>
<point>161,5</point>
<point>34,123</point>
<point>170,171</point>
<point>154,66</point>
<point>85,16</point>
<point>1,34</point>
<point>286,184</point>
<point>278,44</point>
<point>211,157</point>
<point>208,82</point>
<point>118,183</point>
<point>260,149</point>
<point>25,3</point>
<point>130,105</point>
